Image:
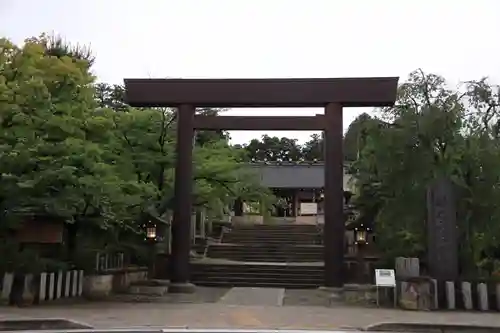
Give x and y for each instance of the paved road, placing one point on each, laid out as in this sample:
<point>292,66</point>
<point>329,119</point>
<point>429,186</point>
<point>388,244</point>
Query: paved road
<point>216,315</point>
<point>253,296</point>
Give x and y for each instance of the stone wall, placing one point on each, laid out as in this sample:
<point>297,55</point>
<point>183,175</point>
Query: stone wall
<point>102,285</point>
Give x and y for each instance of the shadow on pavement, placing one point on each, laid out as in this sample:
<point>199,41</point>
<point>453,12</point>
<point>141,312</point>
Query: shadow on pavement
<point>431,328</point>
<point>40,324</point>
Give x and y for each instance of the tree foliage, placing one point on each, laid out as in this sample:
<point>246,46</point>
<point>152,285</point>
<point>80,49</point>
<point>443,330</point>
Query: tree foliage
<point>433,131</point>
<point>275,149</point>
<point>71,149</point>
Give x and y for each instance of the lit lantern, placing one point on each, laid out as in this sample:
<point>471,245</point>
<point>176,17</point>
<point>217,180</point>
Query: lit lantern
<point>150,231</point>
<point>360,235</point>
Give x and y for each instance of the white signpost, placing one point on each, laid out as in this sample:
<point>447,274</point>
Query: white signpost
<point>308,208</point>
<point>386,278</point>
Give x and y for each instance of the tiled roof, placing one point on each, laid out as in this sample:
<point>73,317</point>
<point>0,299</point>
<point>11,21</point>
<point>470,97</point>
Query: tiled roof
<point>293,175</point>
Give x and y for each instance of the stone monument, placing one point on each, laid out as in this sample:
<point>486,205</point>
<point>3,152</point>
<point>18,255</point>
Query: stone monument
<point>442,243</point>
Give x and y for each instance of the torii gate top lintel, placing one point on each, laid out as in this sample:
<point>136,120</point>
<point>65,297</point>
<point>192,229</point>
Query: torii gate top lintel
<point>349,92</point>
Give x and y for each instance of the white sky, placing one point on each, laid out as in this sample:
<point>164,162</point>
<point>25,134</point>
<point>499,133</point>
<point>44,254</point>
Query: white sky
<point>271,38</point>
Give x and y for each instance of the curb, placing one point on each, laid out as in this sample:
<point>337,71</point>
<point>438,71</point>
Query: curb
<point>41,324</point>
<point>431,328</point>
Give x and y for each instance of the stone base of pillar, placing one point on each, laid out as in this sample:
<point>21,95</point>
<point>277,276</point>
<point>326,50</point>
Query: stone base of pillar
<point>336,290</point>
<point>182,288</point>
<point>150,287</point>
<point>334,294</point>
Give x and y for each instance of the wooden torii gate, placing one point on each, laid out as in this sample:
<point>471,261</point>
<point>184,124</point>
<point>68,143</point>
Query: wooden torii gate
<point>331,94</point>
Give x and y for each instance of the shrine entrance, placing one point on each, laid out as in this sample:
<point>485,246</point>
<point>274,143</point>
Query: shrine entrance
<point>330,94</point>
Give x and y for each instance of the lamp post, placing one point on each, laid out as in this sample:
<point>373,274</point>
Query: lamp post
<point>151,238</point>
<point>361,240</point>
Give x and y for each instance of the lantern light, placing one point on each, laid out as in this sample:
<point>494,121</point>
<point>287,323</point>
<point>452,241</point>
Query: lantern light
<point>150,231</point>
<point>360,235</point>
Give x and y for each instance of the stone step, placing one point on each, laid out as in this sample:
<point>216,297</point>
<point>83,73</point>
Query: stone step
<point>287,247</point>
<point>258,267</point>
<point>277,256</point>
<point>261,240</point>
<point>261,284</point>
<point>274,229</point>
<point>274,258</point>
<point>270,242</point>
<point>272,235</point>
<point>270,231</point>
<point>267,249</point>
<point>306,236</point>
<point>267,253</point>
<point>264,275</point>
<point>258,275</point>
<point>279,231</point>
<point>262,253</point>
<point>259,281</point>
<point>285,225</point>
<point>264,230</point>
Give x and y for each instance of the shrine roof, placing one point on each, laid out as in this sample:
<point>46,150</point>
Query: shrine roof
<point>303,175</point>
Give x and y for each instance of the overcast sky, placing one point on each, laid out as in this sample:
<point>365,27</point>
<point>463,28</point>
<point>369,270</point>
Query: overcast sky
<point>271,38</point>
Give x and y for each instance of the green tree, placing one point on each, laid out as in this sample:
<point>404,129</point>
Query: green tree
<point>51,164</point>
<point>433,131</point>
<point>110,96</point>
<point>356,135</point>
<point>146,140</point>
<point>312,150</point>
<point>273,149</point>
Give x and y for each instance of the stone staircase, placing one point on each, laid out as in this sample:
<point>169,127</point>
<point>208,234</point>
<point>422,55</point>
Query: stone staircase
<point>266,252</point>
<point>279,255</point>
<point>279,234</point>
<point>274,275</point>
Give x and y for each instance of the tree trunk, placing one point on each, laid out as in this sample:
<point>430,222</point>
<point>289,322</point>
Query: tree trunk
<point>71,241</point>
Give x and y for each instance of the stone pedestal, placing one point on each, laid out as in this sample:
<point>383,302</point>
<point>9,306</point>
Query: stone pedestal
<point>7,282</point>
<point>361,294</point>
<point>149,287</point>
<point>23,293</point>
<point>332,294</point>
<point>417,293</point>
<point>97,287</point>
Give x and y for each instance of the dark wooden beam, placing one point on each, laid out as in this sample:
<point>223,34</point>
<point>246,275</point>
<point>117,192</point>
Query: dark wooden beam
<point>334,225</point>
<point>269,123</point>
<point>348,92</point>
<point>181,223</point>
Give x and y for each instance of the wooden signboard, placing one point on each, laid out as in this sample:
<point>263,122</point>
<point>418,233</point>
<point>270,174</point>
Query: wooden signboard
<point>40,232</point>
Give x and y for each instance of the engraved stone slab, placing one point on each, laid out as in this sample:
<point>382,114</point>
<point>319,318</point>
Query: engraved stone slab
<point>407,267</point>
<point>442,231</point>
<point>417,294</point>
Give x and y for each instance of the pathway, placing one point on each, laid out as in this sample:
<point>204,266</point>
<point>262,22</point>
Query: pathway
<point>239,308</point>
<point>254,296</point>
<point>216,315</point>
